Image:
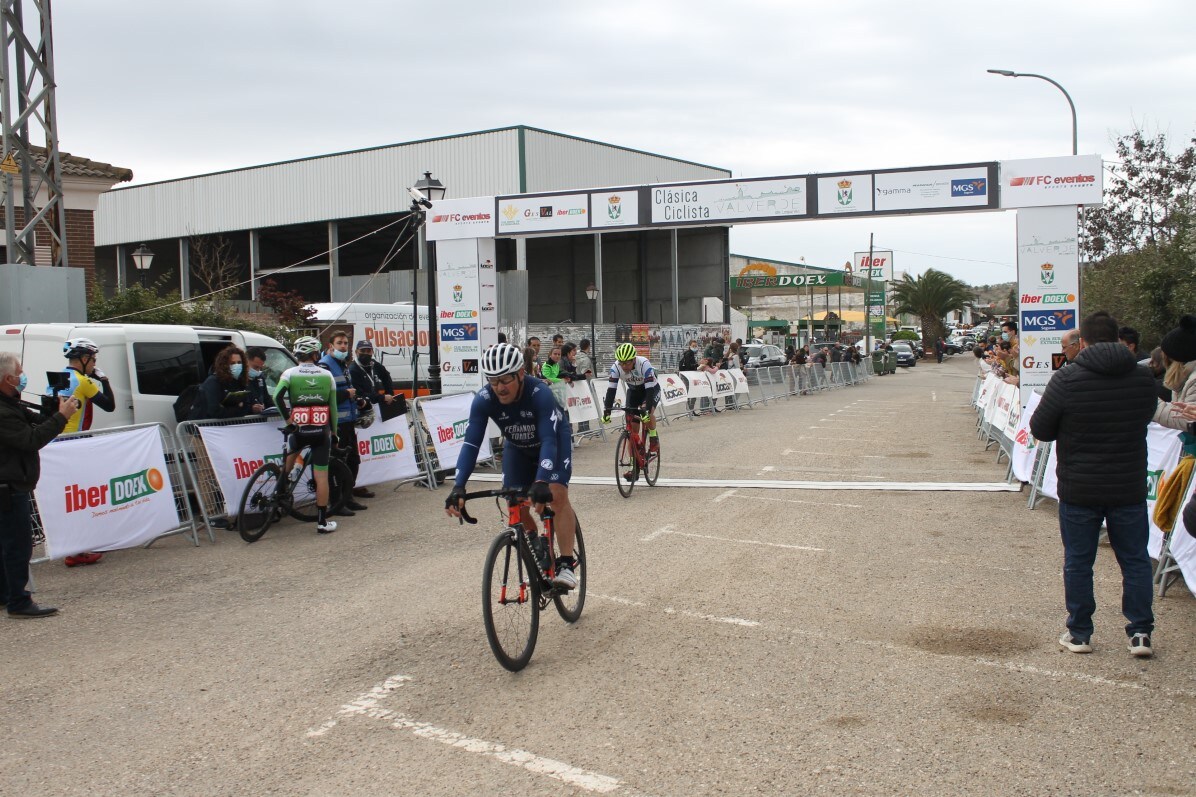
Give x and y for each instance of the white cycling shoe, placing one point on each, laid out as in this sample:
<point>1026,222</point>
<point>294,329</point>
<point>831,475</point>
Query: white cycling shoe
<point>564,578</point>
<point>327,527</point>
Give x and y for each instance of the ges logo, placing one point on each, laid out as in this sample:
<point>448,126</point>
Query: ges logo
<point>1048,320</point>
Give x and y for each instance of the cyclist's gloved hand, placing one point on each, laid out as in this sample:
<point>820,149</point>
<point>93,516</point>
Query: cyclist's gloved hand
<point>540,493</point>
<point>455,500</point>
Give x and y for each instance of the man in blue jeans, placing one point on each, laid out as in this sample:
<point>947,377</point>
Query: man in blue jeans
<point>1096,410</point>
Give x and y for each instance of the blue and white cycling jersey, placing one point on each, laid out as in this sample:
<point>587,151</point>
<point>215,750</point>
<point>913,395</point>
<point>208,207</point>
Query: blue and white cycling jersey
<point>534,427</point>
<point>642,386</point>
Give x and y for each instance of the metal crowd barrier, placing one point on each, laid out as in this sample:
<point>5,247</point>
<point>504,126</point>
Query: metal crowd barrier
<point>194,455</point>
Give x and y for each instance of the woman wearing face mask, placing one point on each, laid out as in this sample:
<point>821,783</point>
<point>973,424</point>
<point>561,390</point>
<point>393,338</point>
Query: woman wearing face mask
<point>225,393</point>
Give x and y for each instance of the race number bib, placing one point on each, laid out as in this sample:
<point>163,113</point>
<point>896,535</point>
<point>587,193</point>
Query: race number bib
<point>315,415</point>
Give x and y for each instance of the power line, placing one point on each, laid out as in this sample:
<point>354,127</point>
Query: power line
<point>946,257</point>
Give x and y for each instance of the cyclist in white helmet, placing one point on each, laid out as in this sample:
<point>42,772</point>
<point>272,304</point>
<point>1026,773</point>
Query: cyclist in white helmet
<point>537,454</point>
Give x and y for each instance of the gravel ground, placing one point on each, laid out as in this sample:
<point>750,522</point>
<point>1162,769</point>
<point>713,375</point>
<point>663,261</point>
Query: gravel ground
<point>749,641</point>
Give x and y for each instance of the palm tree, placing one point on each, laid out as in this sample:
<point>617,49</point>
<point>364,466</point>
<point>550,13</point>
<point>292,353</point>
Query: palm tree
<point>930,297</point>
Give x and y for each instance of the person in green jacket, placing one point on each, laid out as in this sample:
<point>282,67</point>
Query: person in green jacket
<point>550,371</point>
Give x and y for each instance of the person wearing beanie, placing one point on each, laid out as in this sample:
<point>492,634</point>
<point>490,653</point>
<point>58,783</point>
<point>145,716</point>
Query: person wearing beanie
<point>1179,356</point>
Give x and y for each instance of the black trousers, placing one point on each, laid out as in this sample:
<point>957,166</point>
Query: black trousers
<point>347,432</point>
<point>16,548</point>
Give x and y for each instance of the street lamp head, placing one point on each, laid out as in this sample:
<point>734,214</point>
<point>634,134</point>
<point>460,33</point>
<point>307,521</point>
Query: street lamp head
<point>1003,72</point>
<point>142,257</point>
<point>591,292</point>
<point>430,187</point>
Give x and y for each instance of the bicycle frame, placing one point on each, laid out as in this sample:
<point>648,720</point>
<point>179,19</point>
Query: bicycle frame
<point>517,506</point>
<point>632,423</point>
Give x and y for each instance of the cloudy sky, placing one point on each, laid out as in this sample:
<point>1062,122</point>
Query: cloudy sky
<point>760,87</point>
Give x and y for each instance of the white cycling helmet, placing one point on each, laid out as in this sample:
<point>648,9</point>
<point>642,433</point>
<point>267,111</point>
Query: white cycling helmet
<point>306,346</point>
<point>500,359</point>
<point>79,347</point>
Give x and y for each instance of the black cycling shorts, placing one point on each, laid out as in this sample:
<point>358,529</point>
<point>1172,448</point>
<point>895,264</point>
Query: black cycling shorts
<point>320,440</point>
<point>640,396</point>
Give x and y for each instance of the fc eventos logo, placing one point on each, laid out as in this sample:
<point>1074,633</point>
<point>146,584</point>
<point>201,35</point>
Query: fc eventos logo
<point>118,491</point>
<point>1048,320</point>
<point>977,187</point>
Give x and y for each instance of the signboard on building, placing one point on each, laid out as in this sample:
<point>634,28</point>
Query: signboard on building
<point>1048,276</point>
<point>615,208</point>
<point>542,213</point>
<point>733,200</point>
<point>1041,182</point>
<point>933,189</point>
<point>845,193</point>
<point>461,218</point>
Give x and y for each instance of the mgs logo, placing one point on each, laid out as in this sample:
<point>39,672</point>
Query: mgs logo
<point>977,187</point>
<point>844,195</point>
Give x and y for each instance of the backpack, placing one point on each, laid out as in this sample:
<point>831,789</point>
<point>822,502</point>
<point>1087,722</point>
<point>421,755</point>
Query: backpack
<point>185,403</point>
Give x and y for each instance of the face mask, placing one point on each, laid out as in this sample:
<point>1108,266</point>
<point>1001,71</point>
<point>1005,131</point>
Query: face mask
<point>254,373</point>
<point>23,382</point>
<point>365,359</point>
<point>693,348</point>
<point>235,369</point>
<point>1004,336</point>
<point>340,355</point>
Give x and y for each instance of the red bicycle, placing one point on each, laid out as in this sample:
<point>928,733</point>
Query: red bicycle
<point>517,580</point>
<point>633,455</point>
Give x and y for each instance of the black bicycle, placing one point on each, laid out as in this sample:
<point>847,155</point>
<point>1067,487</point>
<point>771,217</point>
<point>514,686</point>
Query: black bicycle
<point>269,494</point>
<point>517,580</point>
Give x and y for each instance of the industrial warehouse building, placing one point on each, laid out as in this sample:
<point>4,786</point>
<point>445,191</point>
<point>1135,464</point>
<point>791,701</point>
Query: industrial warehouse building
<point>339,215</point>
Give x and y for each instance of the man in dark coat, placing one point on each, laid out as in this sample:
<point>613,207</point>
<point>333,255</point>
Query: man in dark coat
<point>1097,410</point>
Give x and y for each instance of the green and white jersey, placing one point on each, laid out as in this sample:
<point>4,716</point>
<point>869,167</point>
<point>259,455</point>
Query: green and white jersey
<point>308,388</point>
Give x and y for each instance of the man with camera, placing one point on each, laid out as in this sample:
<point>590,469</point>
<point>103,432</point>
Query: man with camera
<point>22,434</point>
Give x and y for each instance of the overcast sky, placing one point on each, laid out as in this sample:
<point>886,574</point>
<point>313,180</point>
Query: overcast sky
<point>171,89</point>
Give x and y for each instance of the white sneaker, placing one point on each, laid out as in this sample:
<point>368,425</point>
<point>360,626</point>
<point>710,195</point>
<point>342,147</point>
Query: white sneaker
<point>327,527</point>
<point>1074,644</point>
<point>564,578</point>
<point>1140,646</point>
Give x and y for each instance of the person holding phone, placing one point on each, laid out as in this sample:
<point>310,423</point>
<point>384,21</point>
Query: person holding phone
<point>225,393</point>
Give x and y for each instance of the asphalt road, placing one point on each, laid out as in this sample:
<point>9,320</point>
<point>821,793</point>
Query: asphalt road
<point>747,641</point>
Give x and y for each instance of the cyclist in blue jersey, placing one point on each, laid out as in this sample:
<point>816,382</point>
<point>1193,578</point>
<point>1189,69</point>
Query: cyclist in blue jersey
<point>537,454</point>
<point>643,391</point>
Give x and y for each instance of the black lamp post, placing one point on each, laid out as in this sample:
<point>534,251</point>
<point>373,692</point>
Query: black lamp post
<point>434,191</point>
<point>142,257</point>
<point>592,295</point>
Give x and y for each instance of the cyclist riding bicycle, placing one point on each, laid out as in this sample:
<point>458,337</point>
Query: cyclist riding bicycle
<point>312,394</point>
<point>537,454</point>
<point>643,391</point>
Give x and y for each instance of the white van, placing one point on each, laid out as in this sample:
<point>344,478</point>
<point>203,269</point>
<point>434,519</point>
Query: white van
<point>390,327</point>
<point>148,365</point>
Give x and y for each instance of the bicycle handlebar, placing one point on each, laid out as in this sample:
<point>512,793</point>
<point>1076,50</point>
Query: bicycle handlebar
<point>504,493</point>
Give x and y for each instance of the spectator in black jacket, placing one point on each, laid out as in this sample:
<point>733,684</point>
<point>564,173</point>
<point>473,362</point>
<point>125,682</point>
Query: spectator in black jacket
<point>374,386</point>
<point>225,393</point>
<point>689,362</point>
<point>259,392</point>
<point>1097,410</point>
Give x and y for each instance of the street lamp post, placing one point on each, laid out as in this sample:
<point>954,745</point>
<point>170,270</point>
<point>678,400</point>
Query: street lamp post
<point>592,295</point>
<point>142,257</point>
<point>1075,149</point>
<point>434,191</point>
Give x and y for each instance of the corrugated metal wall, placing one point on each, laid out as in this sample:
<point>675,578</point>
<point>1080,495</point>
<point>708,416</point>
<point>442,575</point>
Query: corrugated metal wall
<point>353,184</point>
<point>556,162</point>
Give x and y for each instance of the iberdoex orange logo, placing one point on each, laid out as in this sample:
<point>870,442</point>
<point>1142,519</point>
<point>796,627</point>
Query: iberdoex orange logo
<point>120,490</point>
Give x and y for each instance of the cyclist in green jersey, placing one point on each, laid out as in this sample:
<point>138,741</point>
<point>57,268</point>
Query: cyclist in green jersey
<point>312,413</point>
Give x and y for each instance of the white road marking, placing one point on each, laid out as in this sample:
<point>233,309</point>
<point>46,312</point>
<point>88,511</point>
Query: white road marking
<point>670,610</point>
<point>934,396</point>
<point>785,484</point>
<point>733,494</point>
<point>362,704</point>
<point>718,499</point>
<point>668,530</point>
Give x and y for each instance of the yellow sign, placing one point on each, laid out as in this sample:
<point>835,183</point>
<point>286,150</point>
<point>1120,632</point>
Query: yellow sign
<point>9,165</point>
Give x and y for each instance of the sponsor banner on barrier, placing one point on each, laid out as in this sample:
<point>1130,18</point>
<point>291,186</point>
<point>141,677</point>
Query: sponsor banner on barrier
<point>672,389</point>
<point>1183,543</point>
<point>1050,476</point>
<point>723,383</point>
<point>104,493</point>
<point>580,402</point>
<point>741,383</point>
<point>615,208</point>
<point>1004,402</point>
<point>461,218</point>
<point>1039,182</point>
<point>848,193</point>
<point>736,200</point>
<point>447,419</point>
<point>1048,275</point>
<point>387,452</point>
<point>986,390</point>
<point>699,384</point>
<point>1025,447</point>
<point>620,398</point>
<point>237,451</point>
<point>1163,450</point>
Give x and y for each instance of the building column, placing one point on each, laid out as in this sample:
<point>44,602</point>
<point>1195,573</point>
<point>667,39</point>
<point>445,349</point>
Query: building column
<point>121,282</point>
<point>185,267</point>
<point>521,254</point>
<point>255,262</point>
<point>598,280</point>
<point>674,258</point>
<point>334,254</point>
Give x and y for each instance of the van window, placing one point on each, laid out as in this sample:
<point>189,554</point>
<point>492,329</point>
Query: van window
<point>277,361</point>
<point>165,369</point>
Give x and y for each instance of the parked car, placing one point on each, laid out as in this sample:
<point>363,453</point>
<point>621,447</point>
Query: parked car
<point>960,343</point>
<point>905,353</point>
<point>762,356</point>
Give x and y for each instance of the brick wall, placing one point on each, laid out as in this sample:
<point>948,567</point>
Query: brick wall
<point>80,239</point>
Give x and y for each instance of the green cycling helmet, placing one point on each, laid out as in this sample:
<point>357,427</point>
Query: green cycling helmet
<point>625,352</point>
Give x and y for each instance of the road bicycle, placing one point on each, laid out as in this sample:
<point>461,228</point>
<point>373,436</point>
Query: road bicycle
<point>633,455</point>
<point>517,579</point>
<point>269,493</point>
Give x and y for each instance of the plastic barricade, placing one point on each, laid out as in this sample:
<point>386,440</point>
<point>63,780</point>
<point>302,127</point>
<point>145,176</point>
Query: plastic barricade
<point>582,405</point>
<point>700,388</point>
<point>674,397</point>
<point>441,422</point>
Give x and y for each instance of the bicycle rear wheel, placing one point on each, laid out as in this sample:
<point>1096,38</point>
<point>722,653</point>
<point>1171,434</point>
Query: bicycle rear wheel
<point>340,483</point>
<point>625,464</point>
<point>510,602</point>
<point>569,605</point>
<point>259,502</point>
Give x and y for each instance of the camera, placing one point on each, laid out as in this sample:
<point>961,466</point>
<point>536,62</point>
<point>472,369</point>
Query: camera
<point>58,381</point>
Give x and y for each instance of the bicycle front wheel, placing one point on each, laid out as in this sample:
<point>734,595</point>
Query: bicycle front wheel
<point>569,604</point>
<point>259,502</point>
<point>625,466</point>
<point>340,483</point>
<point>652,466</point>
<point>510,602</point>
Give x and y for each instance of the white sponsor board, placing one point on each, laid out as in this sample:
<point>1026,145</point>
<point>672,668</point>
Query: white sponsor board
<point>880,265</point>
<point>579,401</point>
<point>387,452</point>
<point>672,389</point>
<point>723,383</point>
<point>699,384</point>
<point>1005,397</point>
<point>741,383</point>
<point>1183,543</point>
<point>461,218</point>
<point>1025,447</point>
<point>847,193</point>
<point>104,493</point>
<point>1050,477</point>
<point>986,390</point>
<point>932,189</point>
<point>487,294</point>
<point>1048,274</point>
<point>1039,182</point>
<point>615,208</point>
<point>459,313</point>
<point>447,419</point>
<point>730,201</point>
<point>543,213</point>
<point>1163,450</point>
<point>237,451</point>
